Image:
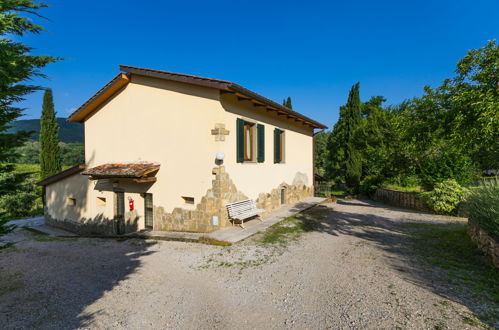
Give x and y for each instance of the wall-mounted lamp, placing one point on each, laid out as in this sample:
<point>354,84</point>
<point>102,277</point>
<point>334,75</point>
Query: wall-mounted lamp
<point>220,156</point>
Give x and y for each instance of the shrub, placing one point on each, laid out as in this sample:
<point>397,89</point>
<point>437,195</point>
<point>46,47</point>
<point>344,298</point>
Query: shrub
<point>369,185</point>
<point>20,198</point>
<point>443,164</point>
<point>483,206</point>
<point>445,196</point>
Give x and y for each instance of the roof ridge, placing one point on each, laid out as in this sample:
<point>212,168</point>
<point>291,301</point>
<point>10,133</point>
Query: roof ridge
<point>174,73</point>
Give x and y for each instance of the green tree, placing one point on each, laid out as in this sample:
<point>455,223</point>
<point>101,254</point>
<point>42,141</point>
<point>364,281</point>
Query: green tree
<point>474,95</point>
<point>345,159</point>
<point>321,152</point>
<point>17,66</point>
<point>72,153</point>
<point>353,169</point>
<point>287,103</point>
<point>378,141</point>
<point>50,154</point>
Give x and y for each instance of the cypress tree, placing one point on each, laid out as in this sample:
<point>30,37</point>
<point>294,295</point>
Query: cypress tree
<point>353,164</point>
<point>345,163</point>
<point>287,103</point>
<point>50,155</point>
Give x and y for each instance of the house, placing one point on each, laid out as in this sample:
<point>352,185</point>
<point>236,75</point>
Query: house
<point>168,151</point>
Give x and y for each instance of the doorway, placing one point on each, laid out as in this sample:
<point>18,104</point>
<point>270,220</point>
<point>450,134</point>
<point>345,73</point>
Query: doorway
<point>120,212</point>
<point>148,211</point>
<point>283,195</point>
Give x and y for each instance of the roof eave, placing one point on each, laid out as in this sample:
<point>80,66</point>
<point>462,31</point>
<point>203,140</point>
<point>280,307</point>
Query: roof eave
<point>278,107</point>
<point>99,98</point>
<point>61,175</point>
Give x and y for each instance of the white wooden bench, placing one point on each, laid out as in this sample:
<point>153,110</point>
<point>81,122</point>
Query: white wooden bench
<point>243,210</point>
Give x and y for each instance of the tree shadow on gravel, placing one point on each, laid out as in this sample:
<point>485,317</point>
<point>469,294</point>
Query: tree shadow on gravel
<point>438,257</point>
<point>47,282</point>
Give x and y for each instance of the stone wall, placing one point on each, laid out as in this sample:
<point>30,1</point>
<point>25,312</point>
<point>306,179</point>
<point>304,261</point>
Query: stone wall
<point>287,193</point>
<point>484,241</point>
<point>399,198</point>
<point>214,203</point>
<point>223,191</point>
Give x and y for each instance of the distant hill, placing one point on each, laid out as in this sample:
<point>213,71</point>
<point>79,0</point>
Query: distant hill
<point>68,131</point>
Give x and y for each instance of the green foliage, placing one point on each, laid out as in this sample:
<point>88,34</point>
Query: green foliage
<point>345,160</point>
<point>18,192</point>
<point>483,206</point>
<point>321,152</point>
<point>291,228</point>
<point>450,132</point>
<point>445,196</point>
<point>71,154</point>
<point>369,185</point>
<point>287,103</point>
<point>443,163</point>
<point>69,132</point>
<point>474,94</point>
<point>50,155</point>
<point>17,66</point>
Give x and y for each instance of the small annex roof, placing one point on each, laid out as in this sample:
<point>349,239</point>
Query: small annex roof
<point>139,172</point>
<point>61,175</point>
<point>224,86</point>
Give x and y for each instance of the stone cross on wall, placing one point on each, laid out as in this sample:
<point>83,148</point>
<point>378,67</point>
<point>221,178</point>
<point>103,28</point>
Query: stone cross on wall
<point>220,132</point>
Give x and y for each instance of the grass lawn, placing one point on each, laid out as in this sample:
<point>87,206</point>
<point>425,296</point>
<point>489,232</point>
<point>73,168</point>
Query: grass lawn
<point>448,248</point>
<point>28,168</point>
<point>402,188</point>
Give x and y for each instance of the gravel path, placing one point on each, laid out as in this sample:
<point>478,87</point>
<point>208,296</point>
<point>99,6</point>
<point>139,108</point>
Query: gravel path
<point>356,271</point>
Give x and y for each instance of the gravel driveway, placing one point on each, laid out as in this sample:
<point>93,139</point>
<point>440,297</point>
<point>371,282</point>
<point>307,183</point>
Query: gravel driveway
<point>355,271</point>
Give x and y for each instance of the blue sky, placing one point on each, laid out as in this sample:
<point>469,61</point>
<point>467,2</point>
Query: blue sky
<point>312,51</point>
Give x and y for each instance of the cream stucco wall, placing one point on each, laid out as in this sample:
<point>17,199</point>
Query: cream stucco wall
<point>254,178</point>
<point>170,123</point>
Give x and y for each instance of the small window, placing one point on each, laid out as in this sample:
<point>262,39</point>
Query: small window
<point>71,201</point>
<point>278,146</point>
<point>249,142</point>
<point>188,200</point>
<point>101,201</point>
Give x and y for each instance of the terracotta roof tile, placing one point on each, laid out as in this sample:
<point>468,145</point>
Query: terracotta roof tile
<point>117,170</point>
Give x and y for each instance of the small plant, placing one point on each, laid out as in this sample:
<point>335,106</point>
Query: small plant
<point>445,196</point>
<point>483,206</point>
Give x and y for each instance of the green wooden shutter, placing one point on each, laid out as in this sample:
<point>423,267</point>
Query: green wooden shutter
<point>277,146</point>
<point>240,140</point>
<point>260,143</point>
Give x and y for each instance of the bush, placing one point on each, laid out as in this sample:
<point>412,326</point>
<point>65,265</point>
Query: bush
<point>445,196</point>
<point>483,206</point>
<point>443,164</point>
<point>19,195</point>
<point>369,185</point>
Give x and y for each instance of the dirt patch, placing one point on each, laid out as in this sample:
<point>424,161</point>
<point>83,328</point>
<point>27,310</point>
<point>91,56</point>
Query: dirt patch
<point>346,265</point>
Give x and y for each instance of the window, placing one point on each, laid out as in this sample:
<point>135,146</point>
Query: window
<point>248,141</point>
<point>71,201</point>
<point>188,200</point>
<point>250,144</point>
<point>278,146</point>
<point>101,201</point>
